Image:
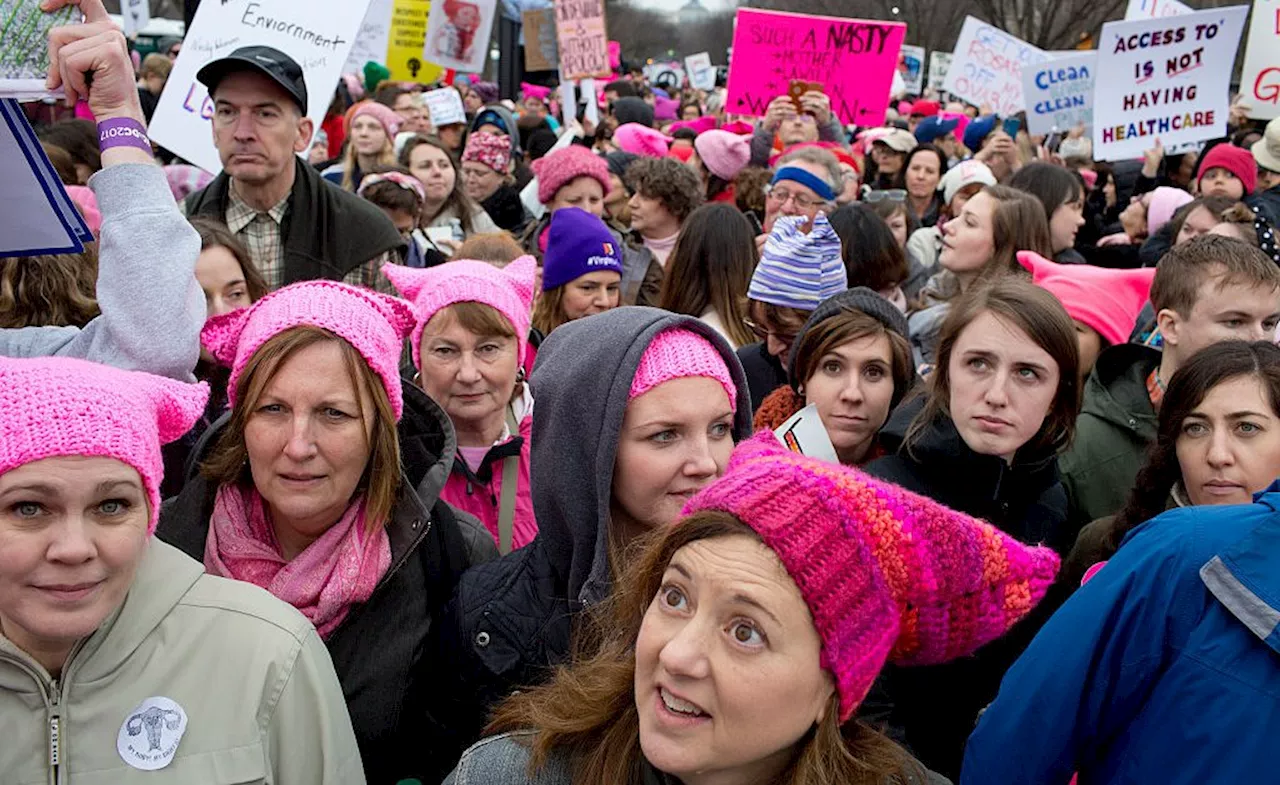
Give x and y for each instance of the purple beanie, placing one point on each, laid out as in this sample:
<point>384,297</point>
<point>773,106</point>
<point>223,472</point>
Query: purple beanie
<point>578,243</point>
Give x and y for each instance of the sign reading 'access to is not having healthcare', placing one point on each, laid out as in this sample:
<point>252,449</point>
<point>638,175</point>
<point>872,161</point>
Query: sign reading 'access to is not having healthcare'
<point>853,59</point>
<point>1168,78</point>
<point>986,69</point>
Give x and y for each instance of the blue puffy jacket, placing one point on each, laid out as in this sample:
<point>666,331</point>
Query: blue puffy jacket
<point>1164,668</point>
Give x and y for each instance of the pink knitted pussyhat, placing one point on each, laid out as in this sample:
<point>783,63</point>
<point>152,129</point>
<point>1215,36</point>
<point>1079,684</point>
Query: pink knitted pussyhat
<point>889,576</point>
<point>375,324</point>
<point>638,140</point>
<point>1108,300</point>
<point>558,169</point>
<point>677,353</point>
<point>58,407</point>
<point>508,290</point>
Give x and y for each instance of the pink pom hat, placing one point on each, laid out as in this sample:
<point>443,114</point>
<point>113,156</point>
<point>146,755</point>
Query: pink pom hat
<point>638,140</point>
<point>374,324</point>
<point>556,170</point>
<point>53,407</point>
<point>508,290</point>
<point>1107,300</point>
<point>677,353</point>
<point>889,576</point>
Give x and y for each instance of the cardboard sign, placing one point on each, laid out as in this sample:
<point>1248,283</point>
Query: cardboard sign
<point>1059,93</point>
<point>136,15</point>
<point>939,65</point>
<point>1167,78</point>
<point>444,106</point>
<point>702,75</point>
<point>911,66</point>
<point>1155,9</point>
<point>987,68</point>
<point>805,434</point>
<point>458,33</point>
<point>541,50</point>
<point>855,59</point>
<point>371,41</point>
<point>1260,79</point>
<point>407,42</point>
<point>317,35</point>
<point>584,46</point>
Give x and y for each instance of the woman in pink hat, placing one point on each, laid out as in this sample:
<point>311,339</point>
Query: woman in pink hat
<point>119,657</point>
<point>731,652</point>
<point>323,488</point>
<point>717,158</point>
<point>371,136</point>
<point>487,179</point>
<point>469,343</point>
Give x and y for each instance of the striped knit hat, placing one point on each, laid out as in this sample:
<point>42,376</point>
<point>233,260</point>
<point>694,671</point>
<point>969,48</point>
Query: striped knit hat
<point>888,576</point>
<point>799,270</point>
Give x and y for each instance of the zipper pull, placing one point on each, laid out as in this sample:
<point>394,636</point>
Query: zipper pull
<point>55,730</point>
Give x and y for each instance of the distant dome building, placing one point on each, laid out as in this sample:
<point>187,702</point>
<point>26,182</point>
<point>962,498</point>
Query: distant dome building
<point>693,12</point>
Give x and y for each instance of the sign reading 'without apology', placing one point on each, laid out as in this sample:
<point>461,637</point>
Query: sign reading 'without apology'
<point>1167,77</point>
<point>853,59</point>
<point>986,69</point>
<point>584,45</point>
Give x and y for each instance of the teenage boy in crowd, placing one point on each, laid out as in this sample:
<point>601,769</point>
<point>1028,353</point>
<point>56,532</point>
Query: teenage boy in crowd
<point>1208,290</point>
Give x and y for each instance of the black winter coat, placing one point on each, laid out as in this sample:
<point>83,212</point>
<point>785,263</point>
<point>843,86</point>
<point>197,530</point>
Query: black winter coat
<point>937,707</point>
<point>383,651</point>
<point>765,372</point>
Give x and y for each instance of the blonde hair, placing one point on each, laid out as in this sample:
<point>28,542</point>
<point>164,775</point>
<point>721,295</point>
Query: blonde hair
<point>548,311</point>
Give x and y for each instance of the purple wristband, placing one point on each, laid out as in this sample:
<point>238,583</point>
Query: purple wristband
<point>122,132</point>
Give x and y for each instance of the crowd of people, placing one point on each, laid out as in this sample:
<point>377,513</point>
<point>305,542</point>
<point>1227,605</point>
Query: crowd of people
<point>403,452</point>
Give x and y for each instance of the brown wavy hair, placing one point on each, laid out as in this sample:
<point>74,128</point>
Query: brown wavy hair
<point>1017,224</point>
<point>380,484</point>
<point>587,713</point>
<point>463,206</point>
<point>49,291</point>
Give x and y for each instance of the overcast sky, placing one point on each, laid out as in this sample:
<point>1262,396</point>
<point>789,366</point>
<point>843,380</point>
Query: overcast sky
<point>676,5</point>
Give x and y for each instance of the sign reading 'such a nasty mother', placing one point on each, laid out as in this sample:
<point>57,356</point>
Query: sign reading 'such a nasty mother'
<point>853,59</point>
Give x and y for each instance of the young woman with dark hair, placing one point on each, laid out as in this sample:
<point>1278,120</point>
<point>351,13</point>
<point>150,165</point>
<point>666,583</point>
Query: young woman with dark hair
<point>710,269</point>
<point>872,256</point>
<point>1062,193</point>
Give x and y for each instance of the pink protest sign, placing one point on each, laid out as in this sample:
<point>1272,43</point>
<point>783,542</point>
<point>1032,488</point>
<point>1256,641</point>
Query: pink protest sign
<point>853,59</point>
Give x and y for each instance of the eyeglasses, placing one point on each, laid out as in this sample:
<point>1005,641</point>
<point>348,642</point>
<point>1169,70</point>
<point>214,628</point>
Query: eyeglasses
<point>764,333</point>
<point>890,195</point>
<point>781,196</point>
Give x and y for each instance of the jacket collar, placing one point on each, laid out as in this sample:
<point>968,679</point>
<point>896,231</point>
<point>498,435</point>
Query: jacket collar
<point>1245,577</point>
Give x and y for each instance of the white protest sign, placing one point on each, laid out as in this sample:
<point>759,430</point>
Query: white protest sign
<point>1167,78</point>
<point>897,86</point>
<point>1155,9</point>
<point>1059,93</point>
<point>317,35</point>
<point>939,65</point>
<point>669,74</point>
<point>804,433</point>
<point>371,42</point>
<point>702,75</point>
<point>136,15</point>
<point>1260,79</point>
<point>458,34</point>
<point>911,64</point>
<point>987,67</point>
<point>445,107</point>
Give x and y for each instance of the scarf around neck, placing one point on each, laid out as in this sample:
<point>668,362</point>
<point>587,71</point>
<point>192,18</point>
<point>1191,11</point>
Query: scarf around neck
<point>334,573</point>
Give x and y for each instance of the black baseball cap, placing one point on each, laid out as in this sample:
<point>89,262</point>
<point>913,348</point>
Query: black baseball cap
<point>266,60</point>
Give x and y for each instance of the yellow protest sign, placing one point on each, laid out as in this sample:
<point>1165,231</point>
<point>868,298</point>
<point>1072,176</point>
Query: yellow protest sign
<point>406,42</point>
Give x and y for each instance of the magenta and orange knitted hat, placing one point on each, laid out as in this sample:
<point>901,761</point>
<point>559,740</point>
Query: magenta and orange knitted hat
<point>374,324</point>
<point>677,353</point>
<point>53,407</point>
<point>508,290</point>
<point>889,576</point>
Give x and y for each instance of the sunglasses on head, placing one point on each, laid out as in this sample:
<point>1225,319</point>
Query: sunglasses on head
<point>889,195</point>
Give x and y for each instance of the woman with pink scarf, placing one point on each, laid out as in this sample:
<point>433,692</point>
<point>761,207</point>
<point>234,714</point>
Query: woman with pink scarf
<point>301,492</point>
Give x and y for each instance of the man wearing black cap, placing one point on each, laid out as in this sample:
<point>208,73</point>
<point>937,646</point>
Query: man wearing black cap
<point>297,226</point>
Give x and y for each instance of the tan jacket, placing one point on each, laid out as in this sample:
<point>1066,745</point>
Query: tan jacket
<point>260,698</point>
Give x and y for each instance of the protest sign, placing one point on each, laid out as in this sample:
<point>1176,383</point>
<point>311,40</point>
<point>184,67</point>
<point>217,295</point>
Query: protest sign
<point>36,215</point>
<point>371,42</point>
<point>702,75</point>
<point>1168,78</point>
<point>316,35</point>
<point>911,66</point>
<point>136,15</point>
<point>987,68</point>
<point>584,46</point>
<point>541,51</point>
<point>24,46</point>
<point>668,76</point>
<point>407,43</point>
<point>445,106</point>
<point>939,64</point>
<point>1260,79</point>
<point>1059,93</point>
<point>853,59</point>
<point>1155,9</point>
<point>458,33</point>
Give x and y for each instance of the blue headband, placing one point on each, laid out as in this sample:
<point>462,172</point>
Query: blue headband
<point>797,175</point>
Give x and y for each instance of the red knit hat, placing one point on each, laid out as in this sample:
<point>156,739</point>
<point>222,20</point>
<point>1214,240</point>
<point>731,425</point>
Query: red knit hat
<point>1107,300</point>
<point>558,169</point>
<point>1236,160</point>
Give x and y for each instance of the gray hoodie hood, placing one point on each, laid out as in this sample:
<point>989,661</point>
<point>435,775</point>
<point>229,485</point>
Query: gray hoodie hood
<point>581,383</point>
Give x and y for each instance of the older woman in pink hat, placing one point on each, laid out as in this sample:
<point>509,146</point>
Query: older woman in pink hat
<point>323,488</point>
<point>487,179</point>
<point>119,656</point>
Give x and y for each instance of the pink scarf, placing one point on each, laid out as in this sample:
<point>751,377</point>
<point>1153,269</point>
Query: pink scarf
<point>337,571</point>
